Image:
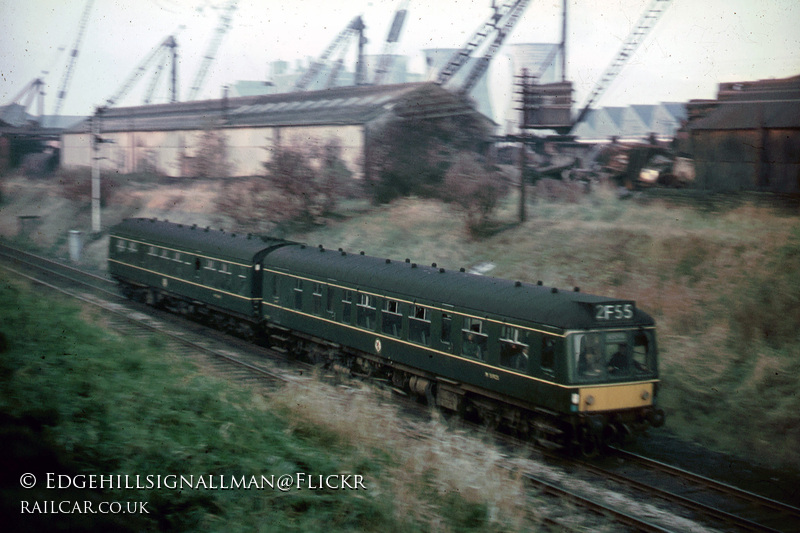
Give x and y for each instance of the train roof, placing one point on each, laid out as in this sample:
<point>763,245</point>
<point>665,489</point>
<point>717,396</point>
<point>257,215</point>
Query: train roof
<point>480,295</point>
<point>246,248</point>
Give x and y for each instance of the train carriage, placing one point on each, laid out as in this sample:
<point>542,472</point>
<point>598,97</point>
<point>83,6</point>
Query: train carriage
<point>526,356</point>
<point>190,269</point>
<point>564,367</point>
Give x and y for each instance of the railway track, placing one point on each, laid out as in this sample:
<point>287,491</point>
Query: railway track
<point>671,498</point>
<point>694,501</point>
<point>224,355</point>
<point>737,509</point>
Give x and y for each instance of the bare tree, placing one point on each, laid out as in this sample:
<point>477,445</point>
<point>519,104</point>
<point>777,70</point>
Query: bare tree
<point>211,159</point>
<point>309,180</point>
<point>476,189</point>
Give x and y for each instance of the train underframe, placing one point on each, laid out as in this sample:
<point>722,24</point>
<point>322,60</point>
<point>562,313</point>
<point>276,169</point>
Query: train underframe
<point>577,433</point>
<point>583,433</point>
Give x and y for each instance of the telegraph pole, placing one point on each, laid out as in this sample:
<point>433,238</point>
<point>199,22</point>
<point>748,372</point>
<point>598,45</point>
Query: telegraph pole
<point>95,147</point>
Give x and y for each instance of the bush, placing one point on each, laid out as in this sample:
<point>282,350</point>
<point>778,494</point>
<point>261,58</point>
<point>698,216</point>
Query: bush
<point>412,157</point>
<point>768,307</point>
<point>475,189</point>
<point>76,186</point>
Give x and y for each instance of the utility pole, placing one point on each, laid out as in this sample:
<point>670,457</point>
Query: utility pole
<point>95,146</point>
<point>563,45</point>
<point>522,162</point>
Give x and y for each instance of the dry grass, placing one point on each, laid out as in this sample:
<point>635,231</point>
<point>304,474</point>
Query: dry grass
<point>430,463</point>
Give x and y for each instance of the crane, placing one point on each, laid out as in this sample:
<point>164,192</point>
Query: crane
<point>166,48</point>
<point>354,29</point>
<point>170,48</point>
<point>387,58</point>
<point>32,90</point>
<point>646,22</point>
<point>62,92</point>
<point>224,24</point>
<point>499,24</point>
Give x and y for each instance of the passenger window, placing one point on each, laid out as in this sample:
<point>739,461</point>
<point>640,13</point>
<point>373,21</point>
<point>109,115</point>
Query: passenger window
<point>316,297</point>
<point>548,361</point>
<point>298,294</point>
<point>347,306</point>
<point>121,246</point>
<point>513,348</point>
<point>473,340</point>
<point>365,311</point>
<point>329,303</point>
<point>419,325</point>
<point>641,351</point>
<point>391,318</point>
<point>447,322</point>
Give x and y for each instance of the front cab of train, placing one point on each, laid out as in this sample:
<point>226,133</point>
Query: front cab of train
<point>614,373</point>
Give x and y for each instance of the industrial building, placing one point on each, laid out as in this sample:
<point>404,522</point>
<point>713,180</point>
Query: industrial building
<point>166,138</point>
<point>749,137</point>
<point>632,123</point>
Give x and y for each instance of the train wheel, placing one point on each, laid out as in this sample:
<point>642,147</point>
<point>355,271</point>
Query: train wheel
<point>590,445</point>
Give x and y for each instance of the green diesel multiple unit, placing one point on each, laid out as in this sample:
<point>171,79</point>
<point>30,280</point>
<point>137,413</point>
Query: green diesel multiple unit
<point>562,367</point>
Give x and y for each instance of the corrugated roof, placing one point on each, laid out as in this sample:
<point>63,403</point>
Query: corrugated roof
<point>338,105</point>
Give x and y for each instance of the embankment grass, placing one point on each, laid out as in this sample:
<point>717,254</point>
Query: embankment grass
<point>76,398</point>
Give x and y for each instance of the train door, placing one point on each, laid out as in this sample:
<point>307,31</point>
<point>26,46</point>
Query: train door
<point>197,266</point>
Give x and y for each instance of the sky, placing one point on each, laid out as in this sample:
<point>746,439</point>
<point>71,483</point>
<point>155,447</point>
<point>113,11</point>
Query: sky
<point>696,45</point>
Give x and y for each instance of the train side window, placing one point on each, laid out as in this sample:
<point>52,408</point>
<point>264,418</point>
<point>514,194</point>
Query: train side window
<point>548,361</point>
<point>152,251</point>
<point>391,318</point>
<point>641,352</point>
<point>298,294</point>
<point>316,298</point>
<point>132,247</point>
<point>473,339</point>
<point>513,348</point>
<point>365,311</point>
<point>121,247</point>
<point>244,286</point>
<point>225,281</point>
<point>274,283</point>
<point>209,265</point>
<point>347,306</point>
<point>419,325</point>
<point>329,302</point>
<point>447,324</point>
